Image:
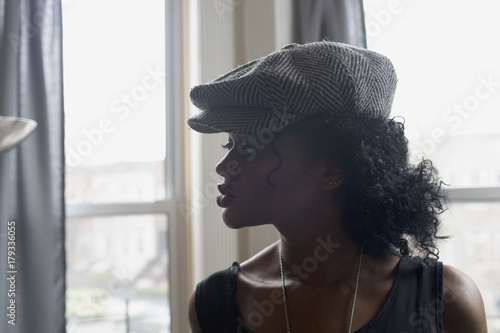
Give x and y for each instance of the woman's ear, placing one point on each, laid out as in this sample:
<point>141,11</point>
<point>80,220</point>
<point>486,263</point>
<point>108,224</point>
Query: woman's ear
<point>333,176</point>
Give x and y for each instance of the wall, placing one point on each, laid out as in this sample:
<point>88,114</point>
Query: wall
<point>225,34</point>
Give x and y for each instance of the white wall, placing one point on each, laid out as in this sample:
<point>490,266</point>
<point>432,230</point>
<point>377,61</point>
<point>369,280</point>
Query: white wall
<point>225,34</point>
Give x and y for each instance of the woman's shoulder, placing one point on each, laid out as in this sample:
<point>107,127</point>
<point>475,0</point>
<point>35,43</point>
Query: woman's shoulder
<point>256,268</point>
<point>258,276</point>
<point>463,308</point>
<point>218,290</point>
<point>261,265</point>
<point>211,306</point>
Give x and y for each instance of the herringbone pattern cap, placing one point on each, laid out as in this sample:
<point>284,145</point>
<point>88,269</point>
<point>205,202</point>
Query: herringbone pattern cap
<point>296,81</point>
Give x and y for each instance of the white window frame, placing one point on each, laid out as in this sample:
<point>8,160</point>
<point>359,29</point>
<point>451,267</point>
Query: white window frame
<point>474,194</point>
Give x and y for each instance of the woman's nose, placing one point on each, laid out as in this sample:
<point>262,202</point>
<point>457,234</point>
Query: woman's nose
<point>228,167</point>
<point>219,168</point>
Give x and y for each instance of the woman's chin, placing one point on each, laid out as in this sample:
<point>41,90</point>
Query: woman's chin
<point>232,222</point>
<point>236,221</point>
<point>233,226</point>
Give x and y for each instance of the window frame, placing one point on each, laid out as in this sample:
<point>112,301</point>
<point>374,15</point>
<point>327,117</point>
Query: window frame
<point>474,194</point>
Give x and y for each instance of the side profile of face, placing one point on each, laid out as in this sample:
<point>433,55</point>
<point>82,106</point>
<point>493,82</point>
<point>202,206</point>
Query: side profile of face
<point>259,188</point>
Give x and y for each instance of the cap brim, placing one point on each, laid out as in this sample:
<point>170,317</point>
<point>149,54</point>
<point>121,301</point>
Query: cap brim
<point>230,120</point>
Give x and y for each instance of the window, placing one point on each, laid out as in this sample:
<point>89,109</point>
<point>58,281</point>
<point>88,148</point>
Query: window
<point>121,189</point>
<point>115,280</point>
<point>446,55</point>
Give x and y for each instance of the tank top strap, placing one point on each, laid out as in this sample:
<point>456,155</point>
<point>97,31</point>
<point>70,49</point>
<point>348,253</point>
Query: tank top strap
<point>415,301</point>
<point>215,303</point>
<point>232,276</point>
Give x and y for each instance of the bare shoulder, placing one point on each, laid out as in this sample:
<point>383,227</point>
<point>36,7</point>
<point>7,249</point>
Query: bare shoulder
<point>463,308</point>
<point>251,271</point>
<point>261,264</point>
<point>193,319</point>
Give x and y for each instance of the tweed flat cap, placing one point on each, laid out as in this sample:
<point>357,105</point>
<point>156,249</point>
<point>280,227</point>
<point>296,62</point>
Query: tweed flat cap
<point>292,83</point>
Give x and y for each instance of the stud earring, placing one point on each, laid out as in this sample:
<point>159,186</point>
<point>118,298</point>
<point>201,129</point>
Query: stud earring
<point>335,182</point>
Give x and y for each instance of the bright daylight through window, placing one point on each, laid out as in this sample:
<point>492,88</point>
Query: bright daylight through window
<point>446,54</point>
<point>116,232</point>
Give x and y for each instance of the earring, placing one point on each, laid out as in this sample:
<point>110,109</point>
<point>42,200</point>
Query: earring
<point>335,182</point>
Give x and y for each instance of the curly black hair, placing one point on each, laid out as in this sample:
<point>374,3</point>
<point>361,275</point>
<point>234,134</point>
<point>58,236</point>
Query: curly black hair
<point>387,203</point>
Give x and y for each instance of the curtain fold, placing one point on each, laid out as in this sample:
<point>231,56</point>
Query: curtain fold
<point>336,20</point>
<point>32,174</point>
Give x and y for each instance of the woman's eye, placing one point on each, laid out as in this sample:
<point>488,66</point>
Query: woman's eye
<point>227,145</point>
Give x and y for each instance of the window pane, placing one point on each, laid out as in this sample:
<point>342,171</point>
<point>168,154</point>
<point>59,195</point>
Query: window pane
<point>117,274</point>
<point>120,182</point>
<point>114,100</point>
<point>446,55</point>
<point>475,249</point>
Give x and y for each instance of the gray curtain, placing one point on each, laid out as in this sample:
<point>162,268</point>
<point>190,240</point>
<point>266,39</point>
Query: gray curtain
<point>31,174</point>
<point>335,20</point>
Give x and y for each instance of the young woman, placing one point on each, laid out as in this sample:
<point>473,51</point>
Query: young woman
<point>312,150</point>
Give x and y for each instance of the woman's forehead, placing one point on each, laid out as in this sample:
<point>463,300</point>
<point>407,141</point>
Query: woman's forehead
<point>287,140</point>
<point>264,138</point>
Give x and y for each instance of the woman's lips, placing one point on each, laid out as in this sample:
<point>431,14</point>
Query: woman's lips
<point>225,198</point>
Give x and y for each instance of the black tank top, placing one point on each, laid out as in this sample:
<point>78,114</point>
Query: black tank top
<point>414,304</point>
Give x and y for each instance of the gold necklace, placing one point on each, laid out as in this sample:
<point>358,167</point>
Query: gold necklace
<point>353,298</point>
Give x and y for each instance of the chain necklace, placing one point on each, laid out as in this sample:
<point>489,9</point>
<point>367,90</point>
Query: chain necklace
<point>353,298</point>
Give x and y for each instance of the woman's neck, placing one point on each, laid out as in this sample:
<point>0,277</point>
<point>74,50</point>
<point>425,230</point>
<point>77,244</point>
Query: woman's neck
<point>318,253</point>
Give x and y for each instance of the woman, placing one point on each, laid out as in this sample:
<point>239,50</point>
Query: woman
<point>312,151</point>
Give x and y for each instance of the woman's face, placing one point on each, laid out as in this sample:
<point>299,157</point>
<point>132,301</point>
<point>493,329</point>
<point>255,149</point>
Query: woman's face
<point>248,198</point>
